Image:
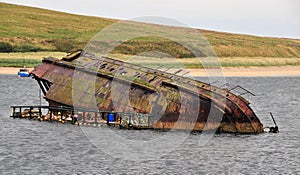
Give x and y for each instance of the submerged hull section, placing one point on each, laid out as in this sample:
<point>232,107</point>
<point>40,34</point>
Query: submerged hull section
<point>174,102</point>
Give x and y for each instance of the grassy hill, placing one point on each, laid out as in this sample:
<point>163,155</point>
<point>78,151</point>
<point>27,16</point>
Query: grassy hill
<point>46,29</point>
<point>26,29</point>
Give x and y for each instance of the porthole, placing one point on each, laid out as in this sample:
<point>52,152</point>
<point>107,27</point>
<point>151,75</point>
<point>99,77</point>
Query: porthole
<point>103,66</point>
<point>111,69</point>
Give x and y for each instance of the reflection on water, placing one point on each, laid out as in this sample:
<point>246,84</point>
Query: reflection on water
<point>30,147</point>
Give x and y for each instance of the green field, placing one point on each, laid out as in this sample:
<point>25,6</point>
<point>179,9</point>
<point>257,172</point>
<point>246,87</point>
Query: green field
<point>32,59</point>
<point>198,62</point>
<point>28,59</point>
<point>27,29</point>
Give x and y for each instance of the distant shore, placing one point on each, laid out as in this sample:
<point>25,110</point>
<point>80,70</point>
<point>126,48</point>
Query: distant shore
<point>250,71</point>
<point>11,70</point>
<point>227,71</point>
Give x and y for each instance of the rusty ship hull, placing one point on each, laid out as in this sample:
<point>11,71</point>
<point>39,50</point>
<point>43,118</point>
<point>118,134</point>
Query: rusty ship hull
<point>174,102</point>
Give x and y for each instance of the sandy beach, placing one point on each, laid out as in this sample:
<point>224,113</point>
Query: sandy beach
<point>249,71</point>
<point>11,70</point>
<point>227,71</point>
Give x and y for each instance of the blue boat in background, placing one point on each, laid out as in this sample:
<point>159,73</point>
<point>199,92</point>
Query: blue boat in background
<point>23,72</point>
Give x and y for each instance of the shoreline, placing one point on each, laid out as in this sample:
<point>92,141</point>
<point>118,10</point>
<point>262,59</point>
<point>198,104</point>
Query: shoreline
<point>11,70</point>
<point>249,71</point>
<point>226,71</point>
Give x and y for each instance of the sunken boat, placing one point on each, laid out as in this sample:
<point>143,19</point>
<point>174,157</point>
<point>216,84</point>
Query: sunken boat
<point>81,80</point>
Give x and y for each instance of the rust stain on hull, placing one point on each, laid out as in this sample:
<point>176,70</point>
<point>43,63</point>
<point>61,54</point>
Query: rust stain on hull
<point>175,102</point>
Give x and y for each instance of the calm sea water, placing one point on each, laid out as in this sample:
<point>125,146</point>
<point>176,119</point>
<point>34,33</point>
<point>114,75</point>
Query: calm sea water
<point>30,147</point>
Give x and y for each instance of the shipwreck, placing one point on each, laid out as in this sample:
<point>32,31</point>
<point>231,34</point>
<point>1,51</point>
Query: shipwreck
<point>84,81</point>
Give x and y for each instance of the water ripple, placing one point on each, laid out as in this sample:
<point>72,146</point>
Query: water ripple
<point>30,147</point>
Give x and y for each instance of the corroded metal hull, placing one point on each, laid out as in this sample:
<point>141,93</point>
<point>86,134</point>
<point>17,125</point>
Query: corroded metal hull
<point>174,102</point>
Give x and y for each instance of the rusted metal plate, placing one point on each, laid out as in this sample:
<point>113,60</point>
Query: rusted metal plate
<point>114,85</point>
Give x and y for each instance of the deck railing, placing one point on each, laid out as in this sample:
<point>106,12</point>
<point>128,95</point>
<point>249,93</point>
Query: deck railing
<point>81,116</point>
